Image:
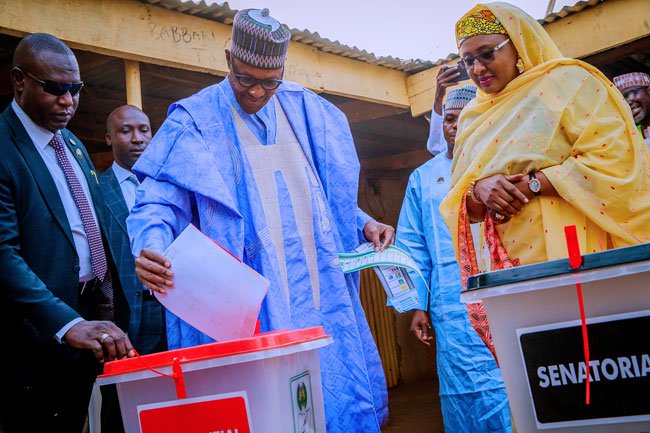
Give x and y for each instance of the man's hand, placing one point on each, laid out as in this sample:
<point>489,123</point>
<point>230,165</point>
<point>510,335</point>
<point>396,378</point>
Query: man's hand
<point>447,76</point>
<point>103,338</point>
<point>381,235</point>
<point>154,271</point>
<point>420,327</point>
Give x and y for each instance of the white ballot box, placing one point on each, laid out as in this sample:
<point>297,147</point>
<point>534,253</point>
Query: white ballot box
<point>269,383</point>
<point>534,317</point>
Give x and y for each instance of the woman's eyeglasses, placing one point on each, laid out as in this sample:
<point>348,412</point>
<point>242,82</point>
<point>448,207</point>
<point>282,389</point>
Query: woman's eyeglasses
<point>248,81</point>
<point>54,87</point>
<point>485,57</point>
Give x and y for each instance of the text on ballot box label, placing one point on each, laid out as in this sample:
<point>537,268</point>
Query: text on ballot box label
<point>619,370</point>
<point>222,413</point>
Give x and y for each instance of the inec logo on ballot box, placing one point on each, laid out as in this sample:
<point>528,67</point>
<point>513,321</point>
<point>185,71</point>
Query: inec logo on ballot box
<point>302,404</point>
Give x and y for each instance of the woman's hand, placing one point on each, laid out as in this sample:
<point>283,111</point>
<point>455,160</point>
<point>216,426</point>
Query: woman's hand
<point>546,187</point>
<point>497,217</point>
<point>500,196</point>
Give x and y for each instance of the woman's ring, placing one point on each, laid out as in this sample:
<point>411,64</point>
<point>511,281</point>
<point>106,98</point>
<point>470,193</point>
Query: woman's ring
<point>498,216</point>
<point>103,337</point>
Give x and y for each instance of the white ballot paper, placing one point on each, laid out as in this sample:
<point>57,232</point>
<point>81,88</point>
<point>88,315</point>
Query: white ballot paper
<point>213,291</point>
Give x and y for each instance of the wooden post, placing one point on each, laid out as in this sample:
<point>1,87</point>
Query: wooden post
<point>133,87</point>
<point>550,7</point>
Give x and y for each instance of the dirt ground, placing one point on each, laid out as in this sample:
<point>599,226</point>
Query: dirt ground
<point>414,408</point>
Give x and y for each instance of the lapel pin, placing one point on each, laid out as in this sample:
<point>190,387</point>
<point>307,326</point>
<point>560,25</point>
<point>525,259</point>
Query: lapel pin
<point>94,175</point>
<point>74,143</point>
<point>78,153</point>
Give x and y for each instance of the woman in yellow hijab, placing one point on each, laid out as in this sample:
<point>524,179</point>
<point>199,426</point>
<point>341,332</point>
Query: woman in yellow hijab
<point>547,142</point>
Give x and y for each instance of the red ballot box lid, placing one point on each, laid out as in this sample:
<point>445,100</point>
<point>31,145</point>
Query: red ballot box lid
<point>257,343</point>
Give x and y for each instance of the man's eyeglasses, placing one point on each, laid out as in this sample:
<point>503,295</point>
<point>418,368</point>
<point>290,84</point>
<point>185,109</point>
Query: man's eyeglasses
<point>54,87</point>
<point>248,81</point>
<point>633,93</point>
<point>485,57</point>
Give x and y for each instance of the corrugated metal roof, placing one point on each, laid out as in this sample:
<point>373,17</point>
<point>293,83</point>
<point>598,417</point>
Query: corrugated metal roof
<point>224,14</point>
<point>569,10</point>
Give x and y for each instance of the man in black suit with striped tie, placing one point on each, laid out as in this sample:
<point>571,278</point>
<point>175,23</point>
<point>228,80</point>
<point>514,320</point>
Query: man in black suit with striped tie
<point>60,298</point>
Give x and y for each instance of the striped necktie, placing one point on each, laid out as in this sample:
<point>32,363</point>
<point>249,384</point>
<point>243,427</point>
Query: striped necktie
<point>97,253</point>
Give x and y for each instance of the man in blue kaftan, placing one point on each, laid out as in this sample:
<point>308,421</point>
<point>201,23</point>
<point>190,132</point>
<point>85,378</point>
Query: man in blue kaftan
<point>269,170</point>
<point>472,394</point>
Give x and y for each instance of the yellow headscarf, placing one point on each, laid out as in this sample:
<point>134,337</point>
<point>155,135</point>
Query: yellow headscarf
<point>561,116</point>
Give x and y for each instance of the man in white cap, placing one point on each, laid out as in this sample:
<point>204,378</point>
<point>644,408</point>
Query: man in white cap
<point>635,87</point>
<point>269,170</point>
<point>472,395</point>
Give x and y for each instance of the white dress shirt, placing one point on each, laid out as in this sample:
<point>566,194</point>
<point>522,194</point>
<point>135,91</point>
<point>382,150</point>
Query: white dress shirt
<point>41,138</point>
<point>436,142</point>
<point>128,184</point>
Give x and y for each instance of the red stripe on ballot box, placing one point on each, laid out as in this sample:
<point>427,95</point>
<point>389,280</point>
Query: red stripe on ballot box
<point>224,413</point>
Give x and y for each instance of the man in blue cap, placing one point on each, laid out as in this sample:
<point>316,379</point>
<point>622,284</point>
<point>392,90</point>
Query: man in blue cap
<point>269,170</point>
<point>472,395</point>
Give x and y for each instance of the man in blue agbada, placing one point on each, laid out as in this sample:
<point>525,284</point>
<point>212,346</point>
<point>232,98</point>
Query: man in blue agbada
<point>268,170</point>
<point>472,395</point>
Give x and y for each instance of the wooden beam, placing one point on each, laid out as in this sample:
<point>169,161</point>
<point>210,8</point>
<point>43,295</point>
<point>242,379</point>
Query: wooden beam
<point>607,25</point>
<point>607,57</point>
<point>89,61</point>
<point>135,30</point>
<point>171,77</point>
<point>596,29</point>
<point>101,160</point>
<point>6,88</point>
<point>100,93</point>
<point>400,161</point>
<point>133,85</point>
<point>118,98</point>
<point>360,111</point>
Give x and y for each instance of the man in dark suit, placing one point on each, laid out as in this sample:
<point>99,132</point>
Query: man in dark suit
<point>128,134</point>
<point>59,298</point>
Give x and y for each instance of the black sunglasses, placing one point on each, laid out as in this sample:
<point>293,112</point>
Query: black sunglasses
<point>248,81</point>
<point>54,87</point>
<point>485,57</point>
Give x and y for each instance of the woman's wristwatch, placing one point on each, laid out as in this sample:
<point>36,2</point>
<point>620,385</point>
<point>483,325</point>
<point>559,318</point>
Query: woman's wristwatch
<point>534,184</point>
